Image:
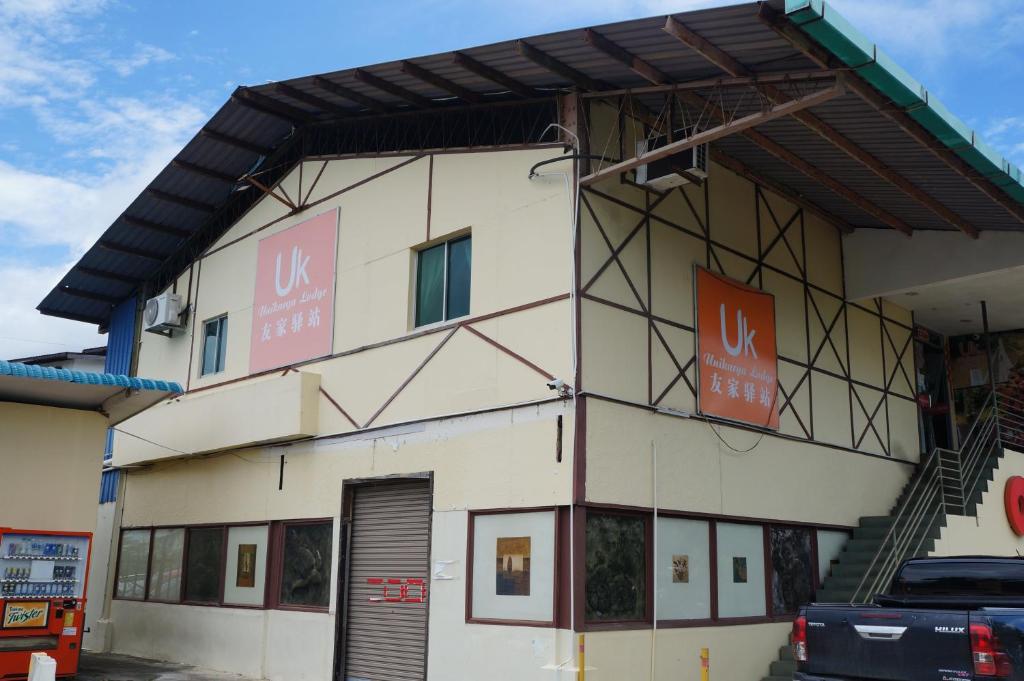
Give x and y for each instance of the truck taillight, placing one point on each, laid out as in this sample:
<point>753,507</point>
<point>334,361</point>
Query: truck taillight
<point>988,659</point>
<point>798,639</point>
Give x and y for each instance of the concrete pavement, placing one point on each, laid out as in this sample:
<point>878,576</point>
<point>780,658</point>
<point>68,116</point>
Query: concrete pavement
<point>107,667</point>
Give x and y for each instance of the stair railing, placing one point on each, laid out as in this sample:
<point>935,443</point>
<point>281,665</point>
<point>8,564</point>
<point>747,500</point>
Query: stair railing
<point>946,482</point>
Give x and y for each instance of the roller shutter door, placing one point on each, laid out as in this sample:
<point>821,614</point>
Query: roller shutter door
<point>386,633</point>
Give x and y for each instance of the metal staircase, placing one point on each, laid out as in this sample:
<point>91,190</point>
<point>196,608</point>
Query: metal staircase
<point>946,482</point>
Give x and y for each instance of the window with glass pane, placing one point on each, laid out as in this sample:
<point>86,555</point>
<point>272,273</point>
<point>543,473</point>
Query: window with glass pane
<point>131,564</point>
<point>165,567</point>
<point>740,558</point>
<point>616,566</point>
<point>306,565</point>
<point>792,569</point>
<point>203,566</point>
<point>443,274</point>
<point>215,340</point>
<point>683,564</point>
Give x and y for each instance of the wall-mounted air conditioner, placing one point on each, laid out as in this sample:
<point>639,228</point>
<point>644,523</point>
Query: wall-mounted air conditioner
<point>163,314</point>
<point>675,170</point>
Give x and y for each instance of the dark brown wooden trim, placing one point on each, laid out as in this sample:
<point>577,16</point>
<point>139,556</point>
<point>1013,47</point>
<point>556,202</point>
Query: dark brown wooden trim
<point>509,352</point>
<point>391,341</point>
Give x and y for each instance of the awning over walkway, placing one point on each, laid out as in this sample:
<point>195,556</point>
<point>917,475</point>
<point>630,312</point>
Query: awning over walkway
<point>118,397</point>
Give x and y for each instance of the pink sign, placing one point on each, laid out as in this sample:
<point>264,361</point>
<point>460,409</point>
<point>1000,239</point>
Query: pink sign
<point>293,311</point>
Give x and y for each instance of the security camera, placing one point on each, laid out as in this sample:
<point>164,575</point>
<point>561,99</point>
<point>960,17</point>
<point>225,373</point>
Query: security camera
<point>560,387</point>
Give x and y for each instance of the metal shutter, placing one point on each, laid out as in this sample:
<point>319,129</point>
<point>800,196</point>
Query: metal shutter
<point>387,640</point>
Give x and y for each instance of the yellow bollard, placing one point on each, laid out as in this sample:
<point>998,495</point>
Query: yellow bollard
<point>705,663</point>
<point>581,673</point>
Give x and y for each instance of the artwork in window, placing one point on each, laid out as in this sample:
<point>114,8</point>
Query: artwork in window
<point>512,576</point>
<point>680,569</point>
<point>739,569</point>
<point>616,567</point>
<point>513,567</point>
<point>131,564</point>
<point>245,573</point>
<point>165,564</point>
<point>683,565</point>
<point>203,566</point>
<point>306,565</point>
<point>792,569</point>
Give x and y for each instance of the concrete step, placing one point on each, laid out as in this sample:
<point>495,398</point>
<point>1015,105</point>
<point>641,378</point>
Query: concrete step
<point>777,678</point>
<point>875,521</point>
<point>784,668</point>
<point>785,653</point>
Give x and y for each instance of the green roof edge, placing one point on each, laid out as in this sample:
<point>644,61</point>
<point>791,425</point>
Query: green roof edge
<point>831,30</point>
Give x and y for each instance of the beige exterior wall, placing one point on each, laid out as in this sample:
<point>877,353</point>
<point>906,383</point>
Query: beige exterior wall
<point>849,384</point>
<point>502,459</point>
<point>43,446</point>
<point>989,533</point>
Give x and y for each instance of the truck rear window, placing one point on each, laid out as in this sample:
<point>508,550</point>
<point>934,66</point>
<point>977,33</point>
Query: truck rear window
<point>956,578</point>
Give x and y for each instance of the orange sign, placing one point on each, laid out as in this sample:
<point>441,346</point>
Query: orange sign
<point>293,310</point>
<point>26,614</point>
<point>737,359</point>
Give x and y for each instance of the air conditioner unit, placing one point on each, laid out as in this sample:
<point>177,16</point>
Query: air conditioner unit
<point>675,170</point>
<point>163,314</point>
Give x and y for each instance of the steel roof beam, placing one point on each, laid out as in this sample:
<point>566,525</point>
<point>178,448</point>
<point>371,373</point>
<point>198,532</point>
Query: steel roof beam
<point>441,83</point>
<point>392,89</point>
<point>103,274</point>
<point>632,62</point>
<point>89,295</point>
<point>236,142</point>
<point>203,170</point>
<point>720,82</point>
<point>270,106</point>
<point>727,63</point>
<point>318,102</point>
<point>176,232</point>
<point>493,75</point>
<point>867,93</point>
<point>180,200</point>
<point>115,247</point>
<point>543,59</point>
<point>350,94</point>
<point>742,169</point>
<point>728,127</point>
<point>70,315</point>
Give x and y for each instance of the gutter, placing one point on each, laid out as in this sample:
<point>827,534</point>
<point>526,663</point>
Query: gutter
<point>820,22</point>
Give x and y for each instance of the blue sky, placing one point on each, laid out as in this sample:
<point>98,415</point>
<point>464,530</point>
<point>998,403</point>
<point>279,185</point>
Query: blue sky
<point>97,95</point>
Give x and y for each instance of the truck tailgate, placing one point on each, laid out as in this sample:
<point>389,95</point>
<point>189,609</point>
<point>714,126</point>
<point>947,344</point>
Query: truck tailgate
<point>867,642</point>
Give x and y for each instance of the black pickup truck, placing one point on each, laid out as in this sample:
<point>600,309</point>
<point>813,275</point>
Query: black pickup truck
<point>944,619</point>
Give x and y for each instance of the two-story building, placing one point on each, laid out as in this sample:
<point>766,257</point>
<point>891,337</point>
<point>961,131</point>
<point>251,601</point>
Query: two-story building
<point>636,331</point>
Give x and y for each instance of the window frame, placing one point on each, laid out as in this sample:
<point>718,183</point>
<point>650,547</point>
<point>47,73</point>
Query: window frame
<point>446,243</point>
<point>221,354</point>
<point>275,570</point>
<point>712,520</point>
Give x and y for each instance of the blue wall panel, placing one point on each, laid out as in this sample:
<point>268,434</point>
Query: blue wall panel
<point>120,345</point>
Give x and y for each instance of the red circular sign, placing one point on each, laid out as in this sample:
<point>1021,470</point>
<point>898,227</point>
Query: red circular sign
<point>1013,498</point>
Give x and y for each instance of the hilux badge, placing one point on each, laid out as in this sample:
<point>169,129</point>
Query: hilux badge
<point>950,630</point>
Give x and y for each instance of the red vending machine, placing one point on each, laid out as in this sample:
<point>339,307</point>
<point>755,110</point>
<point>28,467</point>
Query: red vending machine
<point>43,579</point>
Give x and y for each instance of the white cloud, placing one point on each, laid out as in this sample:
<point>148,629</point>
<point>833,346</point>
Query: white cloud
<point>118,144</point>
<point>143,56</point>
<point>23,331</point>
<point>932,28</point>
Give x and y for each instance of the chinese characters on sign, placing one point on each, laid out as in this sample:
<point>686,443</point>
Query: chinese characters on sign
<point>737,373</point>
<point>293,310</point>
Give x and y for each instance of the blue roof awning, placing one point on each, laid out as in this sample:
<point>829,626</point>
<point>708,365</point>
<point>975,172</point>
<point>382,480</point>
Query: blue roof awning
<point>116,396</point>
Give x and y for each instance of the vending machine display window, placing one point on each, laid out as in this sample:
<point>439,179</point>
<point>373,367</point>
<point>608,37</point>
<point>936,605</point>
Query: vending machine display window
<point>43,578</point>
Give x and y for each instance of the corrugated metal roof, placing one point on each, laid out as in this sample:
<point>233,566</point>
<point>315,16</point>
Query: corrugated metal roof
<point>41,373</point>
<point>158,233</point>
